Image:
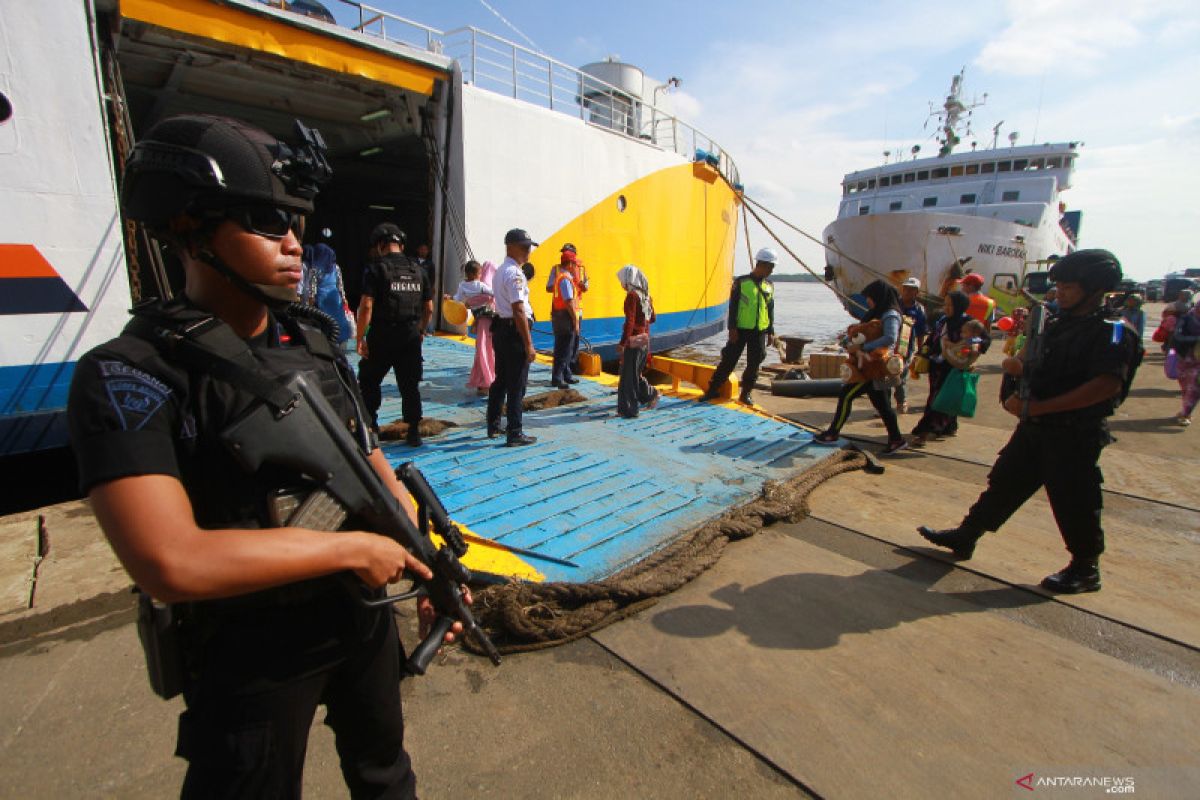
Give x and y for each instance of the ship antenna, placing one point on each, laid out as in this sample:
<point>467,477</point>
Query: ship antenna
<point>950,117</point>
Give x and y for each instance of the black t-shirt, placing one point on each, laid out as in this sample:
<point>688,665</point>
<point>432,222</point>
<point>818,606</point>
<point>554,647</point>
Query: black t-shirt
<point>133,411</point>
<point>1078,349</point>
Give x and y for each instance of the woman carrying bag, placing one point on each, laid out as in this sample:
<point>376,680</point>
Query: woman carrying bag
<point>884,305</point>
<point>951,337</point>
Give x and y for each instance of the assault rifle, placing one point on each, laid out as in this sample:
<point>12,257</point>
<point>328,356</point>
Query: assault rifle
<point>307,437</point>
<point>1032,353</point>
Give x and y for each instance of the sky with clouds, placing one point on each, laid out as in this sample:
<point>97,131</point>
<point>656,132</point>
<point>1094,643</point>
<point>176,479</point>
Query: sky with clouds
<point>799,93</point>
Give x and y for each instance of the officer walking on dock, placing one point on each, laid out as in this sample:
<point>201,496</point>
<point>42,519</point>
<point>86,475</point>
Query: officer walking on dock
<point>262,627</point>
<point>512,341</point>
<point>751,326</point>
<point>1086,366</point>
<point>393,314</point>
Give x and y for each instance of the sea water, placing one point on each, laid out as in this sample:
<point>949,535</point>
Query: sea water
<point>808,310</point>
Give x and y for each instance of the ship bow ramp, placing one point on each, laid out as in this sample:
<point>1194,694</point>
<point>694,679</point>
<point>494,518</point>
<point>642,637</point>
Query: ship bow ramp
<point>597,491</point>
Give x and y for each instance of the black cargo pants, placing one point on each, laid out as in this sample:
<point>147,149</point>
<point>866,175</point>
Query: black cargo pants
<point>1064,458</point>
<point>260,675</point>
<point>397,347</point>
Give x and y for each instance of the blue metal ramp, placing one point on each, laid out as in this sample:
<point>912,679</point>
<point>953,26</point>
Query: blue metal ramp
<point>596,490</point>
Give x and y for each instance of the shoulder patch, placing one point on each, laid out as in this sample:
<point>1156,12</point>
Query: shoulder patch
<point>135,396</point>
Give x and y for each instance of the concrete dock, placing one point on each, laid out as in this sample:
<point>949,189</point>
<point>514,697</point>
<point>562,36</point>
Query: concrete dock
<point>837,657</point>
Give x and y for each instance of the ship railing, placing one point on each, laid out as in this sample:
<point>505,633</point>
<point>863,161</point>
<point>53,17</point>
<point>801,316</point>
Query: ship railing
<point>507,68</point>
<point>394,28</point>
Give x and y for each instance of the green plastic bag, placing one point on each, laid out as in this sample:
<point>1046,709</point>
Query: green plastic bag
<point>958,395</point>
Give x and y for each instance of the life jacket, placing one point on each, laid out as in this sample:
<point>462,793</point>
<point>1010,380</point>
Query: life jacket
<point>398,292</point>
<point>558,302</point>
<point>981,308</point>
<point>753,313</point>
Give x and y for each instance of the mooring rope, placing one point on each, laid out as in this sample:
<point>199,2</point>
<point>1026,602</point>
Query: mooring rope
<point>521,617</point>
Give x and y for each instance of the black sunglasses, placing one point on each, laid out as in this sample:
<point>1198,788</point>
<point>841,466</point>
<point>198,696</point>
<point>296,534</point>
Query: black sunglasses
<point>272,222</point>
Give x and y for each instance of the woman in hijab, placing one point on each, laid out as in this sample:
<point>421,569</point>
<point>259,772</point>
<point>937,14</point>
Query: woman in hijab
<point>946,331</point>
<point>883,304</point>
<point>482,303</point>
<point>634,391</point>
<point>1186,341</point>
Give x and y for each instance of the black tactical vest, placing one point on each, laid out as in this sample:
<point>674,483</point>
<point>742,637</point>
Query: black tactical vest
<point>222,495</point>
<point>398,289</point>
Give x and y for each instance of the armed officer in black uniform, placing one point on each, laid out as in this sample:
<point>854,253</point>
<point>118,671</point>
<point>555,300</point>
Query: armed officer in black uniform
<point>1086,368</point>
<point>265,626</point>
<point>393,313</point>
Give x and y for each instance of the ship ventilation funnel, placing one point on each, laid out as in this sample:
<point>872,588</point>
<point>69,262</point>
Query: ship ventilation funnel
<point>615,99</point>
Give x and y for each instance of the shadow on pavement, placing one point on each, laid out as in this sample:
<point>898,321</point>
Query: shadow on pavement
<point>812,611</point>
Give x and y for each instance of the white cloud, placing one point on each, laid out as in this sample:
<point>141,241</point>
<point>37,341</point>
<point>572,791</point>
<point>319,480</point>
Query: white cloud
<point>1076,37</point>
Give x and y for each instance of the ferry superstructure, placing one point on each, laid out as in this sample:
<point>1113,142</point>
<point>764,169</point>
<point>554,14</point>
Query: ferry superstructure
<point>457,136</point>
<point>997,212</point>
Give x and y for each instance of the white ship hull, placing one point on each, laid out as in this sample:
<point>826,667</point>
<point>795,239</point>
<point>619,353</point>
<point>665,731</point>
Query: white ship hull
<point>925,245</point>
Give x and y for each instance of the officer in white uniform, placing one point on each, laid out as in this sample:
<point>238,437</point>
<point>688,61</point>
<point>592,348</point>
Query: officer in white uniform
<point>512,342</point>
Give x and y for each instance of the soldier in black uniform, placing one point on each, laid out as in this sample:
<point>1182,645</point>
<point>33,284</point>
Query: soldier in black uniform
<point>269,627</point>
<point>1087,366</point>
<point>395,309</point>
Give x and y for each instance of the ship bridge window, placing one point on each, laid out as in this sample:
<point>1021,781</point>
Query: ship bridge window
<point>922,174</point>
<point>972,169</point>
<point>1020,164</point>
<point>929,202</point>
<point>1053,163</point>
<point>940,172</point>
<point>909,177</point>
<point>884,181</point>
<point>862,186</point>
<point>1010,197</point>
<point>967,199</point>
<point>987,169</point>
<point>956,171</point>
<point>863,210</point>
<point>1037,163</point>
<point>1004,166</point>
<point>871,183</point>
<point>895,205</point>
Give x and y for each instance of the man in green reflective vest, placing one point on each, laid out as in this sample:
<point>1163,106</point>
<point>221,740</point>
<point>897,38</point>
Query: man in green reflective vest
<point>751,326</point>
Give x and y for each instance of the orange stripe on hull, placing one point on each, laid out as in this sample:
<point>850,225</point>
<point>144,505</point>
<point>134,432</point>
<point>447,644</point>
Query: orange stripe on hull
<point>24,261</point>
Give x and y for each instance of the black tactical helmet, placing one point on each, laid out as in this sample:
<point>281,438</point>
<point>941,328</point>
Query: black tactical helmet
<point>200,164</point>
<point>1094,270</point>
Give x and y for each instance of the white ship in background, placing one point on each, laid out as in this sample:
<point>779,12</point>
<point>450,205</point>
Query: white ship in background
<point>997,211</point>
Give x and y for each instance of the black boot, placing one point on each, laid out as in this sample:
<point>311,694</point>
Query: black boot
<point>1081,575</point>
<point>413,438</point>
<point>745,399</point>
<point>961,540</point>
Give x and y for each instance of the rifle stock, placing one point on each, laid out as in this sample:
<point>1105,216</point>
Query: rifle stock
<point>312,441</point>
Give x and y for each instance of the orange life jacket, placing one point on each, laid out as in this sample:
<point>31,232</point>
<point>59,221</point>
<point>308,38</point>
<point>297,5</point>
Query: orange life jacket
<point>981,308</point>
<point>558,302</point>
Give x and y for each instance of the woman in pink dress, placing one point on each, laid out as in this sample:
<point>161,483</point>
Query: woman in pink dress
<point>476,293</point>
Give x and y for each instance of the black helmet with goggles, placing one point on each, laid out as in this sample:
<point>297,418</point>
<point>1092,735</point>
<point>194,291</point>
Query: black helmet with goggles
<point>218,167</point>
<point>1094,269</point>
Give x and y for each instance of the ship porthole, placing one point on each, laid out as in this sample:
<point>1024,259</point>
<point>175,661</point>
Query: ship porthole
<point>5,109</point>
<point>621,202</point>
